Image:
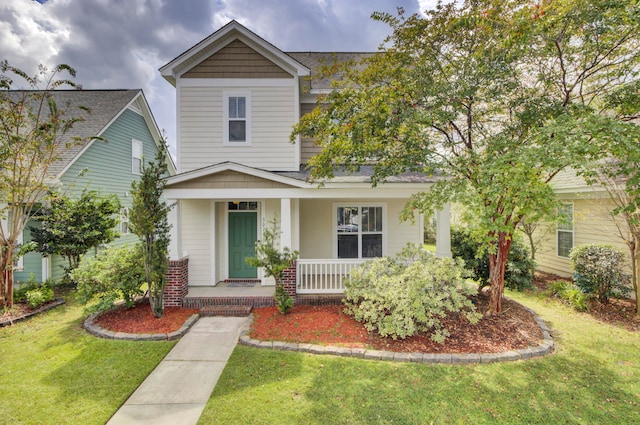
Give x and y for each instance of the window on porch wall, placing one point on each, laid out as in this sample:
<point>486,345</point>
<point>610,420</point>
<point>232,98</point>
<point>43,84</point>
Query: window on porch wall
<point>359,232</point>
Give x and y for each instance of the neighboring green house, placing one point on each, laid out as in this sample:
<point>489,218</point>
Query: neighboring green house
<point>126,135</point>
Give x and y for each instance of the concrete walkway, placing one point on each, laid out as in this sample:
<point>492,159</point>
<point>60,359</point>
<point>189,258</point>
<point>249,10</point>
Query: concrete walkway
<point>176,392</point>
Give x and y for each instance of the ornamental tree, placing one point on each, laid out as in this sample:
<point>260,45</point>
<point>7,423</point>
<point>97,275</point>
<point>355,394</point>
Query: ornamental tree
<point>494,96</point>
<point>71,227</point>
<point>148,219</point>
<point>33,133</point>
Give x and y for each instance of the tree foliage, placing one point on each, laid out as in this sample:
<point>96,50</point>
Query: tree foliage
<point>148,219</point>
<point>34,132</point>
<point>70,227</point>
<point>274,261</point>
<point>495,97</point>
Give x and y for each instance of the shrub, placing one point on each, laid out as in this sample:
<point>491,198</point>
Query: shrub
<point>599,270</point>
<point>38,296</point>
<point>569,293</point>
<point>400,296</point>
<point>519,269</point>
<point>117,273</point>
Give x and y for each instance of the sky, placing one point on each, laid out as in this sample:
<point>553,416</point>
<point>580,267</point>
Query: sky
<point>120,44</point>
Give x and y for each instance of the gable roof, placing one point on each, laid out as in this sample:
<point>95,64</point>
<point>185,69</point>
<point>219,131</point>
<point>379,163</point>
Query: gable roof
<point>97,109</point>
<point>219,39</point>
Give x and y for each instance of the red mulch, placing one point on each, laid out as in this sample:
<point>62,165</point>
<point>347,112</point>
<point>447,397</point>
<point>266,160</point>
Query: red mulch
<point>514,329</point>
<point>139,319</point>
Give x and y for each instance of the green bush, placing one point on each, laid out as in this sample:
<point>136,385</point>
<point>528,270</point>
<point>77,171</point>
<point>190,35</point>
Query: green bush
<point>569,293</point>
<point>411,292</point>
<point>38,296</point>
<point>599,270</point>
<point>117,273</point>
<point>519,269</point>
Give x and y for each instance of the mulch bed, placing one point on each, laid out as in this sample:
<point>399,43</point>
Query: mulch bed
<point>22,311</point>
<point>139,319</point>
<point>515,329</point>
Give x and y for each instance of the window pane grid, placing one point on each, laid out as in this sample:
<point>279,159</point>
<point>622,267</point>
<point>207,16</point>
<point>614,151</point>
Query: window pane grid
<point>359,232</point>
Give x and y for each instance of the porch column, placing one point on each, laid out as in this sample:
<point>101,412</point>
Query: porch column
<point>443,231</point>
<point>285,223</point>
<point>175,243</point>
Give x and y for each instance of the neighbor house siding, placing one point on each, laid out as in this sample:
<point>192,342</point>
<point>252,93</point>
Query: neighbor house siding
<point>273,114</point>
<point>196,239</point>
<point>32,262</point>
<point>592,224</point>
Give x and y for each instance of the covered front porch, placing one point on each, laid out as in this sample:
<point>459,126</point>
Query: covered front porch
<point>221,212</point>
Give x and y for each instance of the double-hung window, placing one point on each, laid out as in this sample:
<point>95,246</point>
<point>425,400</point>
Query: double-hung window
<point>359,231</point>
<point>136,156</point>
<point>564,231</point>
<point>237,118</point>
<point>124,221</point>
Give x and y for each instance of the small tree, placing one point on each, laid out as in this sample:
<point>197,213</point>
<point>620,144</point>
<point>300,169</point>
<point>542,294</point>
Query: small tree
<point>274,261</point>
<point>148,220</point>
<point>33,134</point>
<point>71,227</point>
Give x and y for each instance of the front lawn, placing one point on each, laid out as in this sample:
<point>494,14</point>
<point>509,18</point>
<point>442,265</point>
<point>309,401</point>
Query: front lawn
<point>594,377</point>
<point>53,372</point>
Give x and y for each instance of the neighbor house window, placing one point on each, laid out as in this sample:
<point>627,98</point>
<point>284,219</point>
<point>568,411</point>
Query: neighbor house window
<point>18,264</point>
<point>136,156</point>
<point>237,118</point>
<point>359,231</point>
<point>565,230</point>
<point>124,221</point>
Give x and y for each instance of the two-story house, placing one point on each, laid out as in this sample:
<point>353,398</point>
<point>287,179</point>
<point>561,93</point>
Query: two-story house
<point>118,132</point>
<point>238,97</point>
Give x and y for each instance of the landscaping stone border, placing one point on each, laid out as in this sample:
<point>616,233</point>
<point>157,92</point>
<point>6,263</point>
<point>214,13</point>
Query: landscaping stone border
<point>546,347</point>
<point>94,329</point>
<point>6,322</point>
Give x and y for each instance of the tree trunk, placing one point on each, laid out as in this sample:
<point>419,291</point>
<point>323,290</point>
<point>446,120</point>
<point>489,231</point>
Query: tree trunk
<point>6,277</point>
<point>635,271</point>
<point>156,299</point>
<point>497,266</point>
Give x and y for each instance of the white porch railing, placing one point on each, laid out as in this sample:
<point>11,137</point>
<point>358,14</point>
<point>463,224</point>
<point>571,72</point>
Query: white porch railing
<point>323,276</point>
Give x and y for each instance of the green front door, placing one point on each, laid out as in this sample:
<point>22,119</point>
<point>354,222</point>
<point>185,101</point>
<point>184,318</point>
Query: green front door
<point>243,232</point>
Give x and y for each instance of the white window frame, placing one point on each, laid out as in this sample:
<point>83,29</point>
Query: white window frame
<point>124,221</point>
<point>225,116</point>
<point>19,264</point>
<point>137,154</point>
<point>360,205</point>
<point>560,230</point>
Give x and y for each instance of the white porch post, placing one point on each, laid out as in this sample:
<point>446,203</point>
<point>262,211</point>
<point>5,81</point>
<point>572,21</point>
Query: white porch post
<point>443,231</point>
<point>286,239</point>
<point>175,244</point>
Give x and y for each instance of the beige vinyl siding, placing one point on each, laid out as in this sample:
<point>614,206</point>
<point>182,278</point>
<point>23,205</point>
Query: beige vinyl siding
<point>229,180</point>
<point>196,239</point>
<point>201,133</point>
<point>307,146</point>
<point>317,233</point>
<point>592,224</point>
<point>236,60</point>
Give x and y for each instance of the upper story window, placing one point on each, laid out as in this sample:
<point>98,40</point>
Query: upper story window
<point>136,156</point>
<point>564,232</point>
<point>237,118</point>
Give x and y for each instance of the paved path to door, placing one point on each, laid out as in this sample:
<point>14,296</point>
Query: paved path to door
<point>178,389</point>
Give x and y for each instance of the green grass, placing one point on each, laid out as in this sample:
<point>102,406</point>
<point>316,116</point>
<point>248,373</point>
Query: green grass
<point>594,377</point>
<point>53,372</point>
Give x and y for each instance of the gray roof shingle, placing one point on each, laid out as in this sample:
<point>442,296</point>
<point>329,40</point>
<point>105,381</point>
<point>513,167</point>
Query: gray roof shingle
<point>103,106</point>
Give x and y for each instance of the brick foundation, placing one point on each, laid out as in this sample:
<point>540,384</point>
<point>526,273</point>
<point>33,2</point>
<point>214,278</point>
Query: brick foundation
<point>178,282</point>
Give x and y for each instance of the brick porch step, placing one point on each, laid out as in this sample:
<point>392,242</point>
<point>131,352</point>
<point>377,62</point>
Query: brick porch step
<point>226,310</point>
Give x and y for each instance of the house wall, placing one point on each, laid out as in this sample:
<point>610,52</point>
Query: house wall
<point>32,262</point>
<point>307,147</point>
<point>273,113</point>
<point>196,239</point>
<point>105,166</point>
<point>317,231</point>
<point>592,224</point>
